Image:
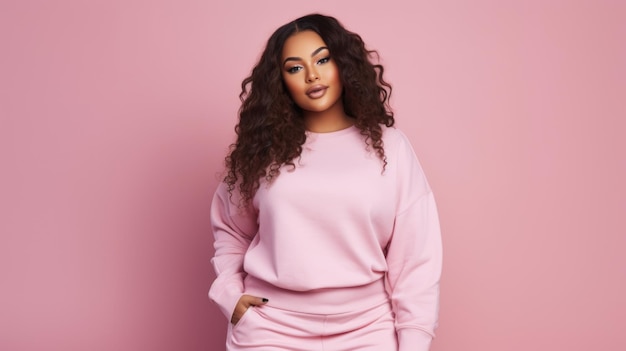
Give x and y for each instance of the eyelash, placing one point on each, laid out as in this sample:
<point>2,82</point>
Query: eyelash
<point>296,69</point>
<point>325,59</point>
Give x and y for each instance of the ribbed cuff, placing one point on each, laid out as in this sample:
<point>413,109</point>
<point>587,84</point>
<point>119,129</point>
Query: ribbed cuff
<point>413,340</point>
<point>227,299</point>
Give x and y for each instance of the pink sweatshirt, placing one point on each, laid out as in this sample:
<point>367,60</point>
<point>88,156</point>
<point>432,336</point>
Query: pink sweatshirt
<point>336,234</point>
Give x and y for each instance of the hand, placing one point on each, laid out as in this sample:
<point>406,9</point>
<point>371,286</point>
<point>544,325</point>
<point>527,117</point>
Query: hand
<point>244,302</point>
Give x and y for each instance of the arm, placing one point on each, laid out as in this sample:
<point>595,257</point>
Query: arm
<point>414,257</point>
<point>233,229</point>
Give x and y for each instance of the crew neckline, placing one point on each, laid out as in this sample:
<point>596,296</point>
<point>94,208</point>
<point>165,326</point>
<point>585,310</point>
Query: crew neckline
<point>343,131</point>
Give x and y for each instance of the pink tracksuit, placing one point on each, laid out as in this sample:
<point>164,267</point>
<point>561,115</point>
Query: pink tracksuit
<point>348,255</point>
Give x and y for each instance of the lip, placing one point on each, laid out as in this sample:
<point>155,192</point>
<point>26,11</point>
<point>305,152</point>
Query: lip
<point>316,91</point>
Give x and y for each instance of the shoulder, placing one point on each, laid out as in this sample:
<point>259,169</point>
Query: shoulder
<point>394,139</point>
<point>394,134</point>
<point>399,149</point>
<point>403,161</point>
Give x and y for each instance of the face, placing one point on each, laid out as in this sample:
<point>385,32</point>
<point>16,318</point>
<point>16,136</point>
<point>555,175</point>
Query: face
<point>310,73</point>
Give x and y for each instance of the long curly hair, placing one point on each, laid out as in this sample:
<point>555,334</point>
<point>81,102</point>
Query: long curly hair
<point>271,130</point>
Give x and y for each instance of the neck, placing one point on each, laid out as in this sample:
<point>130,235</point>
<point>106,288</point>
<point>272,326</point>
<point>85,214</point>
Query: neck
<point>327,121</point>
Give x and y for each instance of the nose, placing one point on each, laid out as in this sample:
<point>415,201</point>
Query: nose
<point>312,76</point>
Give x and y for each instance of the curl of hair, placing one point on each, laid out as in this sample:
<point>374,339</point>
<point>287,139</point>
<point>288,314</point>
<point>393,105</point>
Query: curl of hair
<point>271,130</point>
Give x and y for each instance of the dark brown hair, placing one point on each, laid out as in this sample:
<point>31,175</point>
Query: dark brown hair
<point>271,130</point>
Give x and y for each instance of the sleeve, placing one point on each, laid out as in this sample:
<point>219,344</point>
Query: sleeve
<point>414,256</point>
<point>233,229</point>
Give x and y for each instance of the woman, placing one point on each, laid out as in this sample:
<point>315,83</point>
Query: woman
<point>326,231</point>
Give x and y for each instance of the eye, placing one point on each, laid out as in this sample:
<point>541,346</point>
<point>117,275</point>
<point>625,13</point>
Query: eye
<point>323,60</point>
<point>294,69</point>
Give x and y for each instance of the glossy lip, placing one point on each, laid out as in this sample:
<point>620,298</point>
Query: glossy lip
<point>316,89</point>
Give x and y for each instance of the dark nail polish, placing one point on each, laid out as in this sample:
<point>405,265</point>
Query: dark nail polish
<point>264,300</point>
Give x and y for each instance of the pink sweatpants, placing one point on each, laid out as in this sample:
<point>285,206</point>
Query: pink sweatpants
<point>268,328</point>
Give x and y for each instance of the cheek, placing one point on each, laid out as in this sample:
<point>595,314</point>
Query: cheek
<point>335,79</point>
<point>334,75</point>
<point>338,81</point>
<point>292,87</point>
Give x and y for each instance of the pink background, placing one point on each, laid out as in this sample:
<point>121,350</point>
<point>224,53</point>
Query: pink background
<point>116,115</point>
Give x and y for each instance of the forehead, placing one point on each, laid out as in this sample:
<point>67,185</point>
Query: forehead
<point>302,44</point>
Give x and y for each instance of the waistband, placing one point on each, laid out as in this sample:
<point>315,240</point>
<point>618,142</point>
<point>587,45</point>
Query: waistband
<point>319,301</point>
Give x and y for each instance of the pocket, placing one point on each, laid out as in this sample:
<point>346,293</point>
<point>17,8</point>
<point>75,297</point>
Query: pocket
<point>243,318</point>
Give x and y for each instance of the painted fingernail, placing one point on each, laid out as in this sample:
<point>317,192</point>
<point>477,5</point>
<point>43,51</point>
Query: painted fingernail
<point>264,300</point>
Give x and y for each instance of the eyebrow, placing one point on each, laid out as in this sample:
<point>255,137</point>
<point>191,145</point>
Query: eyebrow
<point>317,51</point>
